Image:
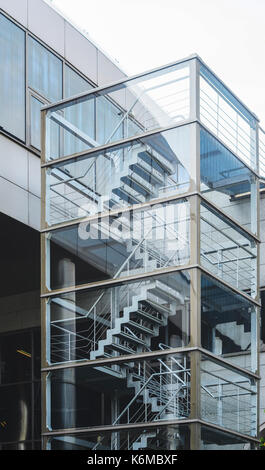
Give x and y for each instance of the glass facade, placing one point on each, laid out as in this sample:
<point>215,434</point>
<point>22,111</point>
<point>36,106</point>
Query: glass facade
<point>20,390</point>
<point>12,78</point>
<point>129,109</point>
<point>31,77</point>
<point>131,173</point>
<point>142,327</point>
<point>176,437</point>
<point>149,273</point>
<point>45,71</point>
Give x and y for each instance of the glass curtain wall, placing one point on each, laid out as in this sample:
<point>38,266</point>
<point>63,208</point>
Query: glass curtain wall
<point>149,266</point>
<point>31,77</point>
<point>20,390</point>
<point>12,79</point>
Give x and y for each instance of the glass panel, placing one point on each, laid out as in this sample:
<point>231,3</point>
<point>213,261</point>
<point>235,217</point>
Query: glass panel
<point>74,83</point>
<point>45,71</point>
<point>173,437</point>
<point>155,100</point>
<point>212,439</point>
<point>227,118</point>
<point>228,398</point>
<point>35,122</point>
<point>227,182</point>
<point>262,152</point>
<point>80,115</point>
<point>156,166</point>
<point>227,252</point>
<point>108,118</point>
<point>129,243</point>
<point>152,390</point>
<point>37,353</point>
<point>15,358</point>
<point>148,314</point>
<point>15,412</point>
<point>229,324</point>
<point>12,78</point>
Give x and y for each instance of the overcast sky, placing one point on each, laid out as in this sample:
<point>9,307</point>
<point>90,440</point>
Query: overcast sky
<point>229,35</point>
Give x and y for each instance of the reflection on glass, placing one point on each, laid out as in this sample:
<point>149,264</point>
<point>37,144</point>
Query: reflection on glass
<point>129,243</point>
<point>213,439</point>
<point>227,252</point>
<point>16,358</point>
<point>141,171</point>
<point>229,324</point>
<point>141,316</point>
<point>228,398</point>
<point>227,118</point>
<point>80,115</point>
<point>45,71</point>
<point>173,437</point>
<point>136,392</point>
<point>156,100</point>
<point>227,182</point>
<point>16,409</point>
<point>12,78</point>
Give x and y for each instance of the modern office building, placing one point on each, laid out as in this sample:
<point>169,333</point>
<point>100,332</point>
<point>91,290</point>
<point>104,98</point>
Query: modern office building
<point>151,255</point>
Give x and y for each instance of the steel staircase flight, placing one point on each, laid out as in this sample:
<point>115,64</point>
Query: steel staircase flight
<point>238,333</point>
<point>141,320</point>
<point>157,396</point>
<point>142,174</point>
<point>132,177</point>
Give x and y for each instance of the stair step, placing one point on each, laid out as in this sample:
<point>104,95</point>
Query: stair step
<point>149,170</point>
<point>163,290</point>
<point>125,195</point>
<point>160,308</point>
<point>120,348</point>
<point>130,338</point>
<point>149,317</point>
<point>139,184</point>
<point>141,328</point>
<point>161,161</point>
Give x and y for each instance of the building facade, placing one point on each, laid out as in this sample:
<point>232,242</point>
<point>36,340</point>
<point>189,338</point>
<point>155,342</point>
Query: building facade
<point>151,249</point>
<point>150,255</point>
<point>43,58</point>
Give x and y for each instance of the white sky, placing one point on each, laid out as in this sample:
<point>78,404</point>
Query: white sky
<point>229,35</point>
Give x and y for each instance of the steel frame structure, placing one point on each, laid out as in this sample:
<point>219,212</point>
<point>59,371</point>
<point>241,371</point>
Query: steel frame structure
<point>194,195</point>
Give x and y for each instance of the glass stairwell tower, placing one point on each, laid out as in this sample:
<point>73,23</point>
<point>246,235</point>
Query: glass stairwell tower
<point>150,250</point>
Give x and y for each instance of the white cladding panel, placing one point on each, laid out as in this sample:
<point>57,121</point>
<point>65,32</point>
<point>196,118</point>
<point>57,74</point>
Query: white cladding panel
<point>80,52</point>
<point>18,9</point>
<point>47,24</point>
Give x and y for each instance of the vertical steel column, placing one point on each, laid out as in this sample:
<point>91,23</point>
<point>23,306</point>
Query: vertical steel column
<point>195,274</point>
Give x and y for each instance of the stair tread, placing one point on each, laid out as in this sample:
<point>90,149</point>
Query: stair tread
<point>129,337</point>
<point>160,308</point>
<point>142,328</point>
<point>120,347</point>
<point>150,317</point>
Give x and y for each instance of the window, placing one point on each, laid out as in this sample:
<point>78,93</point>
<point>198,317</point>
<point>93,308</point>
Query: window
<point>35,122</point>
<point>81,115</point>
<point>74,83</point>
<point>20,390</point>
<point>45,71</point>
<point>12,78</point>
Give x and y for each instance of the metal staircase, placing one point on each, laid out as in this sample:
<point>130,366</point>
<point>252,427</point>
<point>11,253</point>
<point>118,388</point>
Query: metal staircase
<point>238,333</point>
<point>158,395</point>
<point>130,176</point>
<point>143,173</point>
<point>140,321</point>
